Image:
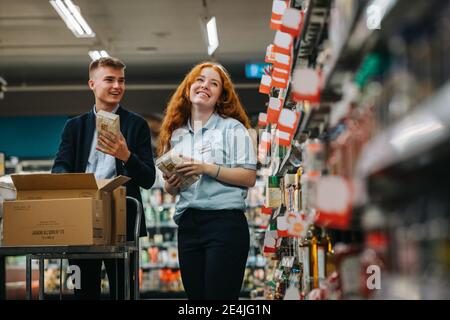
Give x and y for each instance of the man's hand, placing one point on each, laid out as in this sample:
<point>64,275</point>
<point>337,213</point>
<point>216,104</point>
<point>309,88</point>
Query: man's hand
<point>114,145</point>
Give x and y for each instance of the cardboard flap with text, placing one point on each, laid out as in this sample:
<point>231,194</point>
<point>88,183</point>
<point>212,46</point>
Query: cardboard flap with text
<point>55,181</point>
<point>62,185</point>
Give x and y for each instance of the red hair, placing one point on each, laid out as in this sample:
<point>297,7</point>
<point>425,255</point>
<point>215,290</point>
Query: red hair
<point>178,109</point>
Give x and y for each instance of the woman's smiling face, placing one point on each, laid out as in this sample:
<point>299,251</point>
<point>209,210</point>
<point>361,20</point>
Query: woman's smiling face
<point>206,89</point>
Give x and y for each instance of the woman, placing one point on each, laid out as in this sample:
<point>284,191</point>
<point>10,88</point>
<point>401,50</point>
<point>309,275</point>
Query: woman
<point>206,124</point>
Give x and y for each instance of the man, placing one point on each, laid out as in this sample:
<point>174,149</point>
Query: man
<point>128,154</point>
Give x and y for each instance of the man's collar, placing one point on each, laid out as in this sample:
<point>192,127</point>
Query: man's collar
<point>114,110</point>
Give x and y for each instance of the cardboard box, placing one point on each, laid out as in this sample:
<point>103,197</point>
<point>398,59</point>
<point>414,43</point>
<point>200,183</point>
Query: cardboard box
<point>54,222</point>
<point>63,186</point>
<point>119,217</point>
<point>7,192</point>
<point>33,187</point>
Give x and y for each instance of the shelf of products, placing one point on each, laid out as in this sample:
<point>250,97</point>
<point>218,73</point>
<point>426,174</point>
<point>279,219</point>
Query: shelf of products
<point>355,167</point>
<point>418,133</point>
<point>159,269</point>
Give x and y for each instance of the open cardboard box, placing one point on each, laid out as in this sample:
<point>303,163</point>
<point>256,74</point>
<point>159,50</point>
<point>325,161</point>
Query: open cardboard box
<point>64,209</point>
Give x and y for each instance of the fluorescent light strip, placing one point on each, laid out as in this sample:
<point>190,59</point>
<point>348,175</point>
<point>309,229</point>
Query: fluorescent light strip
<point>213,39</point>
<point>73,24</point>
<point>67,17</point>
<point>73,19</point>
<point>95,54</point>
<point>78,17</point>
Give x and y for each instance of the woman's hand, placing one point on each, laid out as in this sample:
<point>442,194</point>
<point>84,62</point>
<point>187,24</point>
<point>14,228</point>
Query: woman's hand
<point>173,181</point>
<point>192,167</point>
<point>235,176</point>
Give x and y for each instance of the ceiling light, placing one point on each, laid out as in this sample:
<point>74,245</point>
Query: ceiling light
<point>213,39</point>
<point>95,54</point>
<point>71,15</point>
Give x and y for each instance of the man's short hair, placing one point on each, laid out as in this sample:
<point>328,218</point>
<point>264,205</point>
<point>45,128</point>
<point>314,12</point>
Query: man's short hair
<point>106,62</point>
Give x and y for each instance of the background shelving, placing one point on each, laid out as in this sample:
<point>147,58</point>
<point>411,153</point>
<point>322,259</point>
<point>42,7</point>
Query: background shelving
<point>382,128</point>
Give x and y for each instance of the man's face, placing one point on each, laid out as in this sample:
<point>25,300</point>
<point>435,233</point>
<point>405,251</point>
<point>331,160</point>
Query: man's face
<point>108,85</point>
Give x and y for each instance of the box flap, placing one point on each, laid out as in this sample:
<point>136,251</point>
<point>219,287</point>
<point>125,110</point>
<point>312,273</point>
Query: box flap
<point>7,187</point>
<point>55,181</point>
<point>111,184</point>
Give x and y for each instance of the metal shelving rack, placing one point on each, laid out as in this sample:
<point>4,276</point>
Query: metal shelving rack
<point>408,156</point>
<point>305,48</point>
<point>359,42</point>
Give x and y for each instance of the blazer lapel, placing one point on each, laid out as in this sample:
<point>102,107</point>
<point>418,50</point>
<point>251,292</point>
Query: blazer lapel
<point>121,113</point>
<point>90,129</point>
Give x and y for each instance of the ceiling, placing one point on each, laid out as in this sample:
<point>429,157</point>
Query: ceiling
<point>45,65</point>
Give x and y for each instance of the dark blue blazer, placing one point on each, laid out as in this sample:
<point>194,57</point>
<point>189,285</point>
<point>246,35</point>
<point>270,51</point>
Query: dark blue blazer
<point>75,147</point>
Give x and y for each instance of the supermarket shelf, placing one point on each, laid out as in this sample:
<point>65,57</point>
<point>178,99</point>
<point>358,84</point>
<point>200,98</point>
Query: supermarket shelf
<point>314,123</point>
<point>304,125</point>
<point>284,166</point>
<point>343,60</point>
<point>314,27</point>
<point>360,41</point>
<point>416,137</point>
<point>315,23</point>
<point>396,14</point>
<point>305,47</point>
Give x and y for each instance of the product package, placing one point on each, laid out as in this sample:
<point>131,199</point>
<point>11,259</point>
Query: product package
<point>167,163</point>
<point>107,121</point>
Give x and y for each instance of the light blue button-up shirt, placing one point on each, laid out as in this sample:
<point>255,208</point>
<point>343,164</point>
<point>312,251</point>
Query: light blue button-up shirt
<point>101,164</point>
<point>222,141</point>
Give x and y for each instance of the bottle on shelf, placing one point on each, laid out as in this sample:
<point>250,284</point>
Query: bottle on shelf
<point>330,266</point>
<point>315,259</point>
<point>298,190</point>
<point>304,249</point>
